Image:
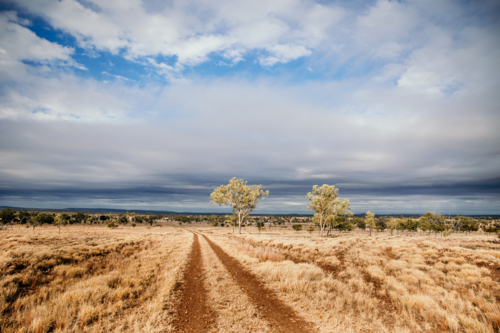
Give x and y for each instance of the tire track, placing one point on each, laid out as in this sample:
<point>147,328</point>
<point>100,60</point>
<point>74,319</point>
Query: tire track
<point>281,317</point>
<point>194,314</point>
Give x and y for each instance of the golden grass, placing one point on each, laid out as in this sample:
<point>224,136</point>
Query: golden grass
<point>93,279</point>
<point>90,279</point>
<point>382,283</point>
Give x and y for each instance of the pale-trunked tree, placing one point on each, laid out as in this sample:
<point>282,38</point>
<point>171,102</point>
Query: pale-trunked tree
<point>326,204</point>
<point>241,197</point>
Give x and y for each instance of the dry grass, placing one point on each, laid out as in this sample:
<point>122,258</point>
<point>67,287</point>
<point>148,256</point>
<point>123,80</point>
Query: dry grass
<point>382,283</point>
<point>89,279</point>
<point>93,279</point>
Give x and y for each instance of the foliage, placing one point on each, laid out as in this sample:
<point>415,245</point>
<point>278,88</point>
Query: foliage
<point>214,220</point>
<point>467,224</point>
<point>7,215</point>
<point>393,224</point>
<point>23,217</point>
<point>408,224</point>
<point>437,223</point>
<point>80,217</point>
<point>310,229</point>
<point>360,223</point>
<point>370,221</point>
<point>342,223</point>
<point>325,203</point>
<point>44,218</point>
<point>152,219</point>
<point>297,227</point>
<point>259,225</point>
<point>130,216</point>
<point>241,197</point>
<point>231,220</point>
<point>113,224</point>
<point>40,219</point>
<point>494,229</point>
<point>61,220</point>
<point>133,225</point>
<point>181,218</point>
<point>380,223</point>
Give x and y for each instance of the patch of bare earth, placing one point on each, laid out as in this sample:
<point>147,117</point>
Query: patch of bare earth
<point>194,313</point>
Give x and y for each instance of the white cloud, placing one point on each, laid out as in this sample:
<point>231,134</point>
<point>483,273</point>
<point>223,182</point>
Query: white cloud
<point>283,54</point>
<point>192,30</point>
<point>18,43</point>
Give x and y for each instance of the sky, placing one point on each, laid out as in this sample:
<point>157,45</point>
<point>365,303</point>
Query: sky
<point>153,104</point>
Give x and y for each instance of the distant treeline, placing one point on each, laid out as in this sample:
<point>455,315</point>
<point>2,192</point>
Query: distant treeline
<point>428,222</point>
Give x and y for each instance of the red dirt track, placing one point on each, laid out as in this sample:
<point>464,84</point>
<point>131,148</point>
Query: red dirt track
<point>194,314</point>
<point>281,317</point>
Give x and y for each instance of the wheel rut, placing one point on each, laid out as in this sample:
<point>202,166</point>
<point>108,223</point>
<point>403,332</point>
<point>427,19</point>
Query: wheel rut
<point>194,314</point>
<point>281,317</point>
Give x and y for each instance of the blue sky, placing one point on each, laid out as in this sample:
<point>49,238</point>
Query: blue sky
<point>152,104</point>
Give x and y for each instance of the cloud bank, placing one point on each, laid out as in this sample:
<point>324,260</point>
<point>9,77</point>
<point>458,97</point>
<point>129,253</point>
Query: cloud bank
<point>143,104</point>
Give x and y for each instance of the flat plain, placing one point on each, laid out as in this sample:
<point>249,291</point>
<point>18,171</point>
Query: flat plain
<point>207,279</point>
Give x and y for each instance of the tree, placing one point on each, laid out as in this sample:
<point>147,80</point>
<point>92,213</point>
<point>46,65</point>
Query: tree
<point>297,227</point>
<point>259,225</point>
<point>325,203</point>
<point>437,223</point>
<point>392,224</point>
<point>131,216</point>
<point>182,218</point>
<point>370,221</point>
<point>44,218</point>
<point>231,220</point>
<point>80,217</point>
<point>34,222</point>
<point>104,218</point>
<point>381,223</point>
<point>150,219</point>
<point>310,229</point>
<point>361,223</point>
<point>7,215</point>
<point>408,225</point>
<point>113,224</point>
<point>241,197</point>
<point>467,224</point>
<point>342,223</point>
<point>214,220</point>
<point>59,221</point>
<point>23,217</point>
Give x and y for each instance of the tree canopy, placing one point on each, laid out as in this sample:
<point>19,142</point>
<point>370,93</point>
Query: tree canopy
<point>239,196</point>
<point>326,204</point>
